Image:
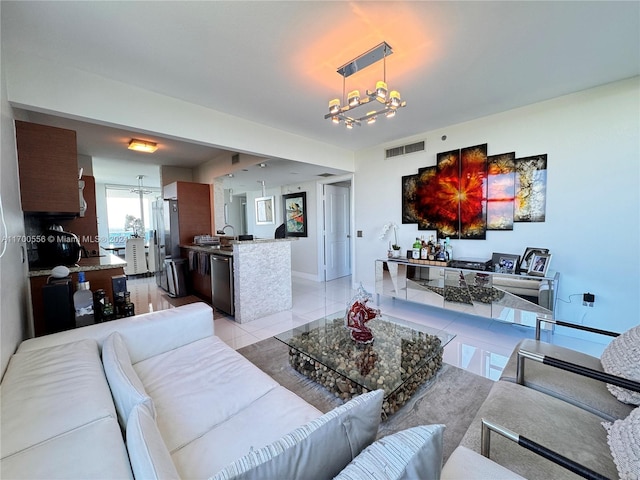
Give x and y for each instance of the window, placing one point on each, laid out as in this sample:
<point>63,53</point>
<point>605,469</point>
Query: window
<point>125,218</point>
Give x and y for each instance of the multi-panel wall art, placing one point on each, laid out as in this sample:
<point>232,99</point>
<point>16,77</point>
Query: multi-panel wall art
<point>467,193</point>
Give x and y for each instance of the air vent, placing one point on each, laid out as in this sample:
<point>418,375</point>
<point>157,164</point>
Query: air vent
<point>414,147</point>
<point>404,149</point>
<point>235,158</point>
<point>394,152</point>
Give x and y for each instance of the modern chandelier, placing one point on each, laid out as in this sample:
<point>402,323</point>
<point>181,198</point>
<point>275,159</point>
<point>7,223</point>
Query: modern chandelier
<point>387,101</point>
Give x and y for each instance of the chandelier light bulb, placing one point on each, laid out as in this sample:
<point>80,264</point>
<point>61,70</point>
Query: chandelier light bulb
<point>349,124</point>
<point>335,120</point>
<point>354,98</point>
<point>394,98</point>
<point>391,113</point>
<point>372,119</point>
<point>381,90</point>
<point>334,106</point>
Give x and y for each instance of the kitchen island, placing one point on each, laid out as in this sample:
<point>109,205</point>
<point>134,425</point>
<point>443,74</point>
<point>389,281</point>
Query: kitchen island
<point>261,272</point>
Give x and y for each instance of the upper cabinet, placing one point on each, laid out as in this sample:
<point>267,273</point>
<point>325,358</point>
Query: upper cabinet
<point>194,207</point>
<point>48,169</point>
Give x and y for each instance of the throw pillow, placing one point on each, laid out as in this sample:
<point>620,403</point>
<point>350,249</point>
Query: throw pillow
<point>409,454</point>
<point>624,442</point>
<point>148,453</point>
<point>622,358</point>
<point>319,449</point>
<point>126,387</point>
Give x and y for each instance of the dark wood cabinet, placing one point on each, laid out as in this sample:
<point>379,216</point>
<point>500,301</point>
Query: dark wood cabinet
<point>48,167</point>
<point>194,208</point>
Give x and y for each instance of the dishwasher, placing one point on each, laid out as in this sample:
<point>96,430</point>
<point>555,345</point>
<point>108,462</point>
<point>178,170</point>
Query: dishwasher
<point>222,283</point>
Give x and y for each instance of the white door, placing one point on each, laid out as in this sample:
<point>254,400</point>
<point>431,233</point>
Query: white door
<point>337,249</point>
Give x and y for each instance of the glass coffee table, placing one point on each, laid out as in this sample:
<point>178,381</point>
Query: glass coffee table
<point>402,357</point>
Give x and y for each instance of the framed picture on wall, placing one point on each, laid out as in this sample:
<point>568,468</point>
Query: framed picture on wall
<point>264,210</point>
<point>295,214</point>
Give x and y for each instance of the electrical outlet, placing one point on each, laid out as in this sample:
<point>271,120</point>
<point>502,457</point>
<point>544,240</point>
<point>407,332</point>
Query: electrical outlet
<point>588,299</point>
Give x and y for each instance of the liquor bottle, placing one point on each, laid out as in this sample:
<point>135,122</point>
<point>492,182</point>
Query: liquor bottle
<point>83,302</point>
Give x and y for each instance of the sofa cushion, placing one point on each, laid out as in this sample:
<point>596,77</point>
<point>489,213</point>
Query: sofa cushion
<point>319,449</point>
<point>622,358</point>
<point>264,421</point>
<point>92,451</point>
<point>58,388</point>
<point>586,393</point>
<point>149,456</point>
<point>409,454</point>
<point>198,386</point>
<point>126,388</point>
<point>464,463</point>
<point>624,439</point>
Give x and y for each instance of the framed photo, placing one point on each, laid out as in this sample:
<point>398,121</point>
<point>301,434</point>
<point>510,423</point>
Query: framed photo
<point>505,262</point>
<point>539,264</point>
<point>527,257</point>
<point>264,210</point>
<point>295,214</point>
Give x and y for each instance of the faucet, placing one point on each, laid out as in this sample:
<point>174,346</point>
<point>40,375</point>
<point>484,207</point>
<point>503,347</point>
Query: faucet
<point>233,231</point>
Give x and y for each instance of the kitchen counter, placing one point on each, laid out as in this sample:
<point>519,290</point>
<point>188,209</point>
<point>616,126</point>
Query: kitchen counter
<point>99,272</point>
<point>261,274</point>
<point>90,264</point>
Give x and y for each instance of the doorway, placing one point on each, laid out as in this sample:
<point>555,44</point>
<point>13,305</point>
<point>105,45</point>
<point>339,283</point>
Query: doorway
<point>336,241</point>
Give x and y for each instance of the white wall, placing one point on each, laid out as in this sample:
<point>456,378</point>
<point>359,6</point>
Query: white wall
<point>304,250</point>
<point>593,201</point>
<point>13,272</point>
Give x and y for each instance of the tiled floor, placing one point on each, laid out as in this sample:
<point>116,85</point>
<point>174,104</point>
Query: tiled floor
<point>481,346</point>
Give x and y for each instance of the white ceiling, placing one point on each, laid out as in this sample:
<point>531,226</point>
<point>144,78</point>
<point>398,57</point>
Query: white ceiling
<point>275,62</point>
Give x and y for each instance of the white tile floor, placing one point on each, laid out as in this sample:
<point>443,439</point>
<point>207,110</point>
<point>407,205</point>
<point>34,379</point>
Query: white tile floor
<point>481,346</point>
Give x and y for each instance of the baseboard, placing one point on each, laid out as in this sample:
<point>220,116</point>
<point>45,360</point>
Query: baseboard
<point>306,276</point>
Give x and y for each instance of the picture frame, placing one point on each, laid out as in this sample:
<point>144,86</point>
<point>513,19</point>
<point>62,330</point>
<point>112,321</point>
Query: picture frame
<point>526,257</point>
<point>505,262</point>
<point>294,206</point>
<point>264,210</point>
<point>539,264</point>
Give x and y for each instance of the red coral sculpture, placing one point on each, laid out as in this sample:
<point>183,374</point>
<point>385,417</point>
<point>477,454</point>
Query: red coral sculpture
<point>358,315</point>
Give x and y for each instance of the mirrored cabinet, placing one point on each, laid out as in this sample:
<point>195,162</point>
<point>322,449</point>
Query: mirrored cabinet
<point>506,297</point>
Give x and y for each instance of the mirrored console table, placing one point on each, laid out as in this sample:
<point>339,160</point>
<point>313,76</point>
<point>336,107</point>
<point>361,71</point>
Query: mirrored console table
<point>506,297</point>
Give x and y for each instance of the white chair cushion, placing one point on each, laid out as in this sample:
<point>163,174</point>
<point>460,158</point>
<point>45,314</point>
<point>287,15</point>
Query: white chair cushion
<point>319,450</point>
<point>149,456</point>
<point>414,453</point>
<point>622,358</point>
<point>624,440</point>
<point>126,388</point>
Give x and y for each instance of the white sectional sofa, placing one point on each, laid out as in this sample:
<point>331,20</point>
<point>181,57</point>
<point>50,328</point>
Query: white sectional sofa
<point>188,405</point>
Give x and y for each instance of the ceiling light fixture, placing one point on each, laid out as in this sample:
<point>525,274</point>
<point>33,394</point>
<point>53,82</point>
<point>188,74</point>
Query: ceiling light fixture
<point>142,146</point>
<point>389,101</point>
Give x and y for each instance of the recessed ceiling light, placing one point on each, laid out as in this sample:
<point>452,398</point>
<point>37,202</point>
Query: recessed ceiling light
<point>262,165</point>
<point>142,146</point>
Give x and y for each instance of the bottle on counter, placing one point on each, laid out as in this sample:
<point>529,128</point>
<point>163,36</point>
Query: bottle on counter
<point>417,246</point>
<point>424,251</point>
<point>83,302</point>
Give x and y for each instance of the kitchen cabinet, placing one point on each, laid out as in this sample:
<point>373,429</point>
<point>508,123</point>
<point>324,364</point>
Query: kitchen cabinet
<point>194,207</point>
<point>48,169</point>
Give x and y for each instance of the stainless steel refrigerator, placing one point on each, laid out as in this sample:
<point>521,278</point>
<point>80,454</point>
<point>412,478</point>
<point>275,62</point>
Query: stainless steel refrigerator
<point>171,274</point>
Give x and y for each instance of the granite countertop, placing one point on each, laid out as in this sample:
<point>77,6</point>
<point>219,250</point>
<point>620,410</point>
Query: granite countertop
<point>227,249</point>
<point>104,262</point>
